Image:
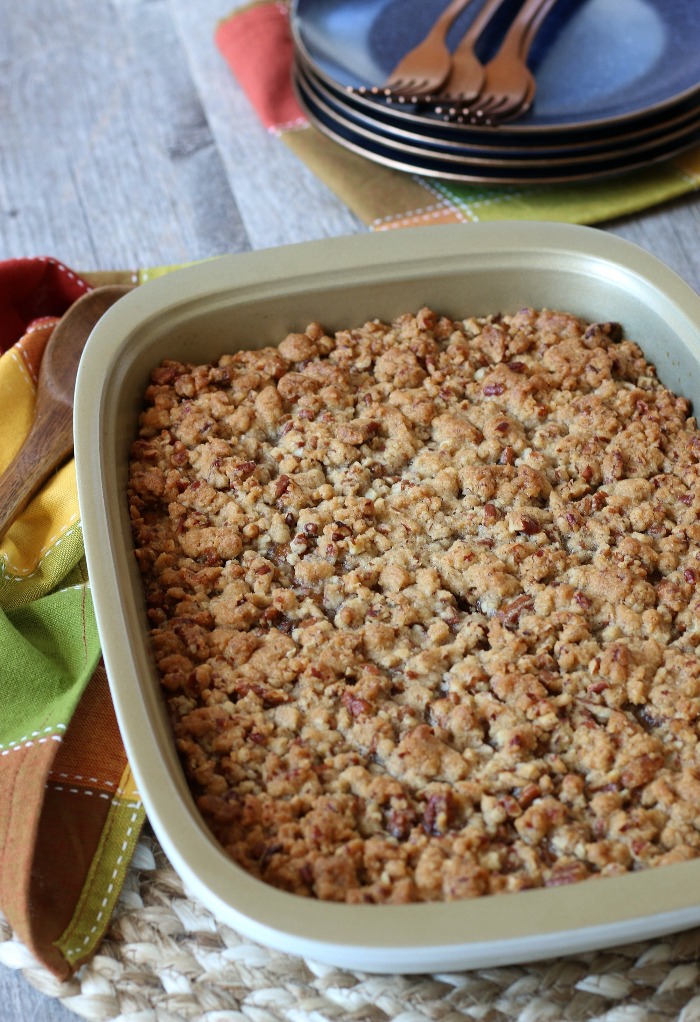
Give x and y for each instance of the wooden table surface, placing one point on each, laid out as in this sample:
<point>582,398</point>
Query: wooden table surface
<point>125,142</point>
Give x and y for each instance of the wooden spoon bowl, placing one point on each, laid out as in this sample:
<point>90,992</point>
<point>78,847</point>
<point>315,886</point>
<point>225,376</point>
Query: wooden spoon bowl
<point>50,440</point>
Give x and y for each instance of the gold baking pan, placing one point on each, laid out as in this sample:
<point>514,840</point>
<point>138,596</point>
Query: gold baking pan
<point>254,299</point>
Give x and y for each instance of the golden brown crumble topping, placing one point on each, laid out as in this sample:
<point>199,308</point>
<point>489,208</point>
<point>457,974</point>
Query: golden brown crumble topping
<point>424,601</point>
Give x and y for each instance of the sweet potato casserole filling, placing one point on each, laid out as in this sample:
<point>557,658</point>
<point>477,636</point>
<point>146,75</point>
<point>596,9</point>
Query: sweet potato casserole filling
<point>424,599</point>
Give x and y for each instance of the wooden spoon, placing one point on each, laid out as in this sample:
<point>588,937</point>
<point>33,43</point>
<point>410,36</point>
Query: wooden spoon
<point>50,439</point>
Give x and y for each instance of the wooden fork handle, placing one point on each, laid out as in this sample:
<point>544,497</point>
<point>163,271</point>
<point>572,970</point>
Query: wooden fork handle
<point>481,20</point>
<point>538,16</point>
<point>443,23</point>
<point>524,27</point>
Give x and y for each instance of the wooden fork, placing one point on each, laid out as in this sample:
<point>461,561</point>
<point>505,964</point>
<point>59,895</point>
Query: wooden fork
<point>509,85</point>
<point>465,80</point>
<point>424,68</point>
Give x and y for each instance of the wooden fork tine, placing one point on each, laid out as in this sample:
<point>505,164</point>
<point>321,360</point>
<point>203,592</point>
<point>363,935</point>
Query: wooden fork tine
<point>467,75</point>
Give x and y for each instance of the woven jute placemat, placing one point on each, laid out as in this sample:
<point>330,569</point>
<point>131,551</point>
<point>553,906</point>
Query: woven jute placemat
<point>166,958</point>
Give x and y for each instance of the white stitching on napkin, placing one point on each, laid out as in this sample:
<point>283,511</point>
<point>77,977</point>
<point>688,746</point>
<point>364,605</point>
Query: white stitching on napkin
<point>505,194</point>
<point>33,739</point>
<point>686,176</point>
<point>49,547</point>
<point>415,215</point>
<point>458,206</point>
<point>78,791</point>
<point>64,269</point>
<point>28,745</point>
<point>295,125</point>
<point>108,796</point>
<point>20,347</point>
<point>110,887</point>
<point>446,204</point>
<point>116,795</point>
<point>24,370</point>
<point>81,777</point>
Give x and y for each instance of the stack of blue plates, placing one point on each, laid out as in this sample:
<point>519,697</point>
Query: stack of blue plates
<point>618,88</point>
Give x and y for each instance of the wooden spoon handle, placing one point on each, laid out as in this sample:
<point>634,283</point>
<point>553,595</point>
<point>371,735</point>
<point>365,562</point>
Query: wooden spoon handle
<point>48,444</point>
<point>50,439</point>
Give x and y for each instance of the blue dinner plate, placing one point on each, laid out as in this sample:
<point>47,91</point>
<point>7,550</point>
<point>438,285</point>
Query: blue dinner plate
<point>475,169</point>
<point>499,141</point>
<point>627,150</point>
<point>597,62</point>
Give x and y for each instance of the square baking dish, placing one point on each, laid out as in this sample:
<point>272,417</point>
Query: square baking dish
<point>254,299</point>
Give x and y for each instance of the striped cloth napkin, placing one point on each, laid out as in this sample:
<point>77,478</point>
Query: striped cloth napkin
<point>69,813</point>
<point>256,44</point>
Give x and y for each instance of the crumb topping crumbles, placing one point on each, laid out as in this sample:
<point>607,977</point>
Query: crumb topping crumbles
<point>424,601</point>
